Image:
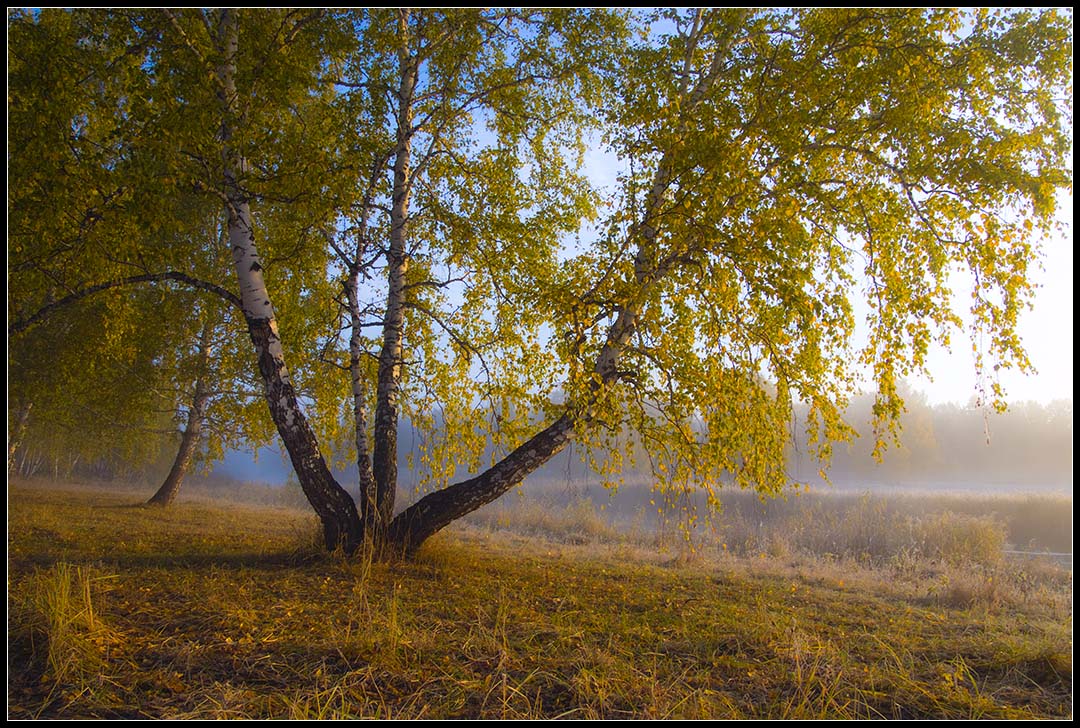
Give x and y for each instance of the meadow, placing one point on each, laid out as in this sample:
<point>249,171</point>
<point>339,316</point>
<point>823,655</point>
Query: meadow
<point>817,607</point>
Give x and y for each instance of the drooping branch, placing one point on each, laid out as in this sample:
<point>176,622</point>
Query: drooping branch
<point>23,324</point>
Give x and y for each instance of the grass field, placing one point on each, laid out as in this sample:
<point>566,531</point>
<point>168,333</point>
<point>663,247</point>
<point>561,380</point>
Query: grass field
<point>212,610</point>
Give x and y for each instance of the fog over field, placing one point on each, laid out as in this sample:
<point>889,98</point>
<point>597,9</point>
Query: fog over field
<point>942,448</point>
<point>1012,470</point>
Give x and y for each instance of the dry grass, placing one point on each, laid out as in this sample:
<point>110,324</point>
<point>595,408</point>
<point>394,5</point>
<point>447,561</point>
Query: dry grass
<point>208,611</point>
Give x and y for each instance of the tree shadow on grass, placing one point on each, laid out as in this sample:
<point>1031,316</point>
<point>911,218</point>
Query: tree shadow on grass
<point>249,560</point>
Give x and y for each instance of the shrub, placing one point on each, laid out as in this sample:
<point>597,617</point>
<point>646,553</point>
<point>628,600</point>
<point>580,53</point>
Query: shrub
<point>958,539</point>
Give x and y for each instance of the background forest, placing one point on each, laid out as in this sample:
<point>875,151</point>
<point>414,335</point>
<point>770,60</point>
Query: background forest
<point>1028,447</point>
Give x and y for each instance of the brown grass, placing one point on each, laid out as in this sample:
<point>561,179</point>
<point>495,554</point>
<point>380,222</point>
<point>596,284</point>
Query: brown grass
<point>212,611</point>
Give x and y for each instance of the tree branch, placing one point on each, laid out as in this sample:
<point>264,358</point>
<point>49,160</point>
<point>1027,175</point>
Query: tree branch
<point>22,324</point>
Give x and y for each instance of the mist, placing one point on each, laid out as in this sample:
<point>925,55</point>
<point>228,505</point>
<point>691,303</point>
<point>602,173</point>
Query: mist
<point>940,448</point>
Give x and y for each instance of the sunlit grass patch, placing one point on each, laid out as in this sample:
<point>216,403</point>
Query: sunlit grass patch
<point>57,633</point>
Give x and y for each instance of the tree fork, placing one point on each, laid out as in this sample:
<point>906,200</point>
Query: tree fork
<point>437,510</point>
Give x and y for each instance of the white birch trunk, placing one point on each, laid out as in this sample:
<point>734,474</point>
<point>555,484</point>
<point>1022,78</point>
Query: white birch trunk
<point>384,456</point>
<point>365,477</point>
<point>334,506</point>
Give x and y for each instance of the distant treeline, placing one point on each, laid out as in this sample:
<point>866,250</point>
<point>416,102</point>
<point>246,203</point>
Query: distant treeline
<point>1029,444</point>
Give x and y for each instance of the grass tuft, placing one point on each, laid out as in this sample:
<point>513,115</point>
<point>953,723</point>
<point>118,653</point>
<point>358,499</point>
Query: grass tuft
<point>56,632</point>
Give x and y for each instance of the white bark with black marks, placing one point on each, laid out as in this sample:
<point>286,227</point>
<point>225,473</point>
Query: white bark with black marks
<point>384,455</point>
<point>334,506</point>
<point>365,476</point>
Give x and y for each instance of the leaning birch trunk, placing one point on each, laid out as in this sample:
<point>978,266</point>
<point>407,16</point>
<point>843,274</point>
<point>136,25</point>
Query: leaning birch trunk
<point>435,511</point>
<point>188,443</point>
<point>384,455</point>
<point>334,506</point>
<point>190,439</point>
<point>439,509</point>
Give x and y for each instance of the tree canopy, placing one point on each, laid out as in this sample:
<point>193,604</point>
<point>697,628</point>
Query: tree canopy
<point>411,231</point>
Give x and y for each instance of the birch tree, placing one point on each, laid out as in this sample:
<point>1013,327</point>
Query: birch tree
<point>776,156</point>
<point>420,257</point>
<point>774,159</point>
